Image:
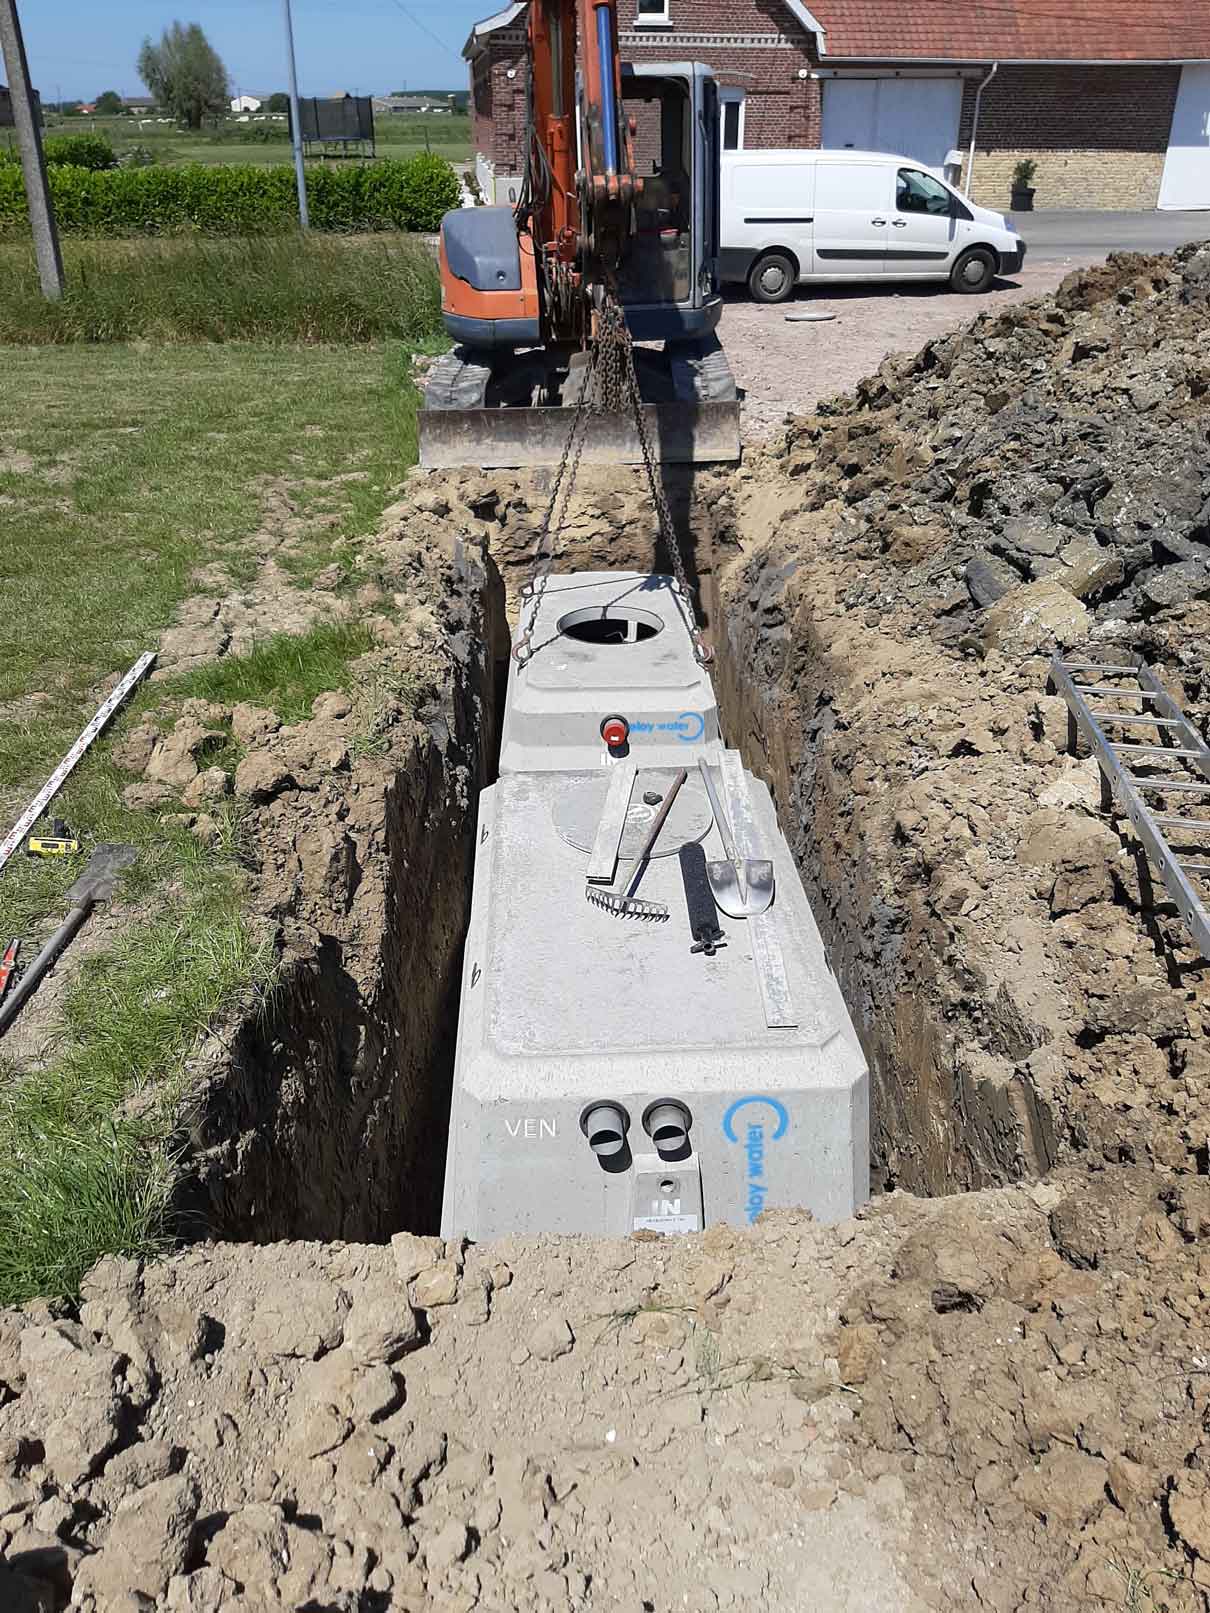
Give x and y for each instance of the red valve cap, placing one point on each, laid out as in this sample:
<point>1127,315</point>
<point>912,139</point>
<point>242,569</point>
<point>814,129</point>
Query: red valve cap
<point>615,731</point>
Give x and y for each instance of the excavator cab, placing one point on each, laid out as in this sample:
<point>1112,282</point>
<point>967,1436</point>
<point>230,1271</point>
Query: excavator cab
<point>518,284</point>
<point>669,281</point>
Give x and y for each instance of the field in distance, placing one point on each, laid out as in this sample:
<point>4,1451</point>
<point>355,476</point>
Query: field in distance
<point>399,134</point>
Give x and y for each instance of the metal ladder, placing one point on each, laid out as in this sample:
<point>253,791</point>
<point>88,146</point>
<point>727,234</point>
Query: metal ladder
<point>1178,763</point>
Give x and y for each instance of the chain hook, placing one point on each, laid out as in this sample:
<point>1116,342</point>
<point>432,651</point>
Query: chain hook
<point>610,383</point>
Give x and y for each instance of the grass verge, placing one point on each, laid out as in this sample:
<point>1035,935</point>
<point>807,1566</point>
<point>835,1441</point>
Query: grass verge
<point>285,672</point>
<point>123,470</point>
<point>84,1168</point>
<point>263,289</point>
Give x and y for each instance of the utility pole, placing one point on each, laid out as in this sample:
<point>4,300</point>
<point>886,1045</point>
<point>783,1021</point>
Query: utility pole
<point>300,173</point>
<point>33,163</point>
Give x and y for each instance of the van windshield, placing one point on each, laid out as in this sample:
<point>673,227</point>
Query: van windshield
<point>917,192</point>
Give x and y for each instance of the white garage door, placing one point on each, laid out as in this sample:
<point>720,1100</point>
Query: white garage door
<point>1186,181</point>
<point>915,116</point>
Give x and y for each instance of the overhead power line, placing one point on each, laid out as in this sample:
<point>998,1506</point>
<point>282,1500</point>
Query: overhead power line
<point>425,29</point>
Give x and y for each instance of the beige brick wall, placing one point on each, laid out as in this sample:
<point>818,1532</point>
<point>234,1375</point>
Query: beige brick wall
<point>1097,179</point>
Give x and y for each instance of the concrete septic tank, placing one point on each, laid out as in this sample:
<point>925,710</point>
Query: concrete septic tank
<point>609,1078</point>
<point>607,644</point>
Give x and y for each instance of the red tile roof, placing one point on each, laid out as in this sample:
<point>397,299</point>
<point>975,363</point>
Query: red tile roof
<point>1016,30</point>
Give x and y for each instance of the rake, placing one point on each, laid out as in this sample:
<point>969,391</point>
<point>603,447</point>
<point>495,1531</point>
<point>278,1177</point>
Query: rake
<point>621,899</point>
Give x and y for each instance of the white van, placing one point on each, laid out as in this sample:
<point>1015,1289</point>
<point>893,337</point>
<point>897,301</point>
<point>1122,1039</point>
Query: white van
<point>853,215</point>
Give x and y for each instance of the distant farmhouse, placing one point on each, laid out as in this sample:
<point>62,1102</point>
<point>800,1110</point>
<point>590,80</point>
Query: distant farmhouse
<point>440,104</point>
<point>138,103</point>
<point>246,103</point>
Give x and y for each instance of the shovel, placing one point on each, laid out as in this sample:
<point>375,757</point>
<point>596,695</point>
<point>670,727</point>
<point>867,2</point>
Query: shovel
<point>742,886</point>
<point>95,884</point>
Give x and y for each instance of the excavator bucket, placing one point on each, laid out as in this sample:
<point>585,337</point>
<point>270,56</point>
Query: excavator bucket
<point>508,439</point>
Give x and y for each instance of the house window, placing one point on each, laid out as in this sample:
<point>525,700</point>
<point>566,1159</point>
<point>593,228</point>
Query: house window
<point>650,13</point>
<point>731,119</point>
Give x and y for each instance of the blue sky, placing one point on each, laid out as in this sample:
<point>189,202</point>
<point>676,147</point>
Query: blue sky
<point>81,47</point>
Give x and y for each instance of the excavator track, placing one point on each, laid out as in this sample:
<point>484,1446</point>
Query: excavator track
<point>700,372</point>
<point>697,425</point>
<point>457,381</point>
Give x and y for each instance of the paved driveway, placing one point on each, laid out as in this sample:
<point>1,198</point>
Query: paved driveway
<point>1086,237</point>
<point>786,367</point>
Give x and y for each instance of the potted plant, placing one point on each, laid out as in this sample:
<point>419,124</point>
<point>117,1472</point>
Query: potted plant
<point>1023,185</point>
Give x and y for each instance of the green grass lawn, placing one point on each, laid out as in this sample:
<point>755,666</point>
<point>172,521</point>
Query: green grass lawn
<point>400,135</point>
<point>275,288</point>
<point>122,470</point>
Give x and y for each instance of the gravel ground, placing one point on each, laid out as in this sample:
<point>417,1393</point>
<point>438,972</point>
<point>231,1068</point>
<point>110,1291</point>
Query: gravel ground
<point>785,367</point>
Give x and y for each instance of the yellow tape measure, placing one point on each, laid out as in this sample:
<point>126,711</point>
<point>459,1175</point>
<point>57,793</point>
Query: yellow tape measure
<point>60,842</point>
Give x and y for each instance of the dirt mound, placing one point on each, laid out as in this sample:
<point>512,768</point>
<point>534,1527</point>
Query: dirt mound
<point>1025,998</point>
<point>984,1401</point>
<point>1060,443</point>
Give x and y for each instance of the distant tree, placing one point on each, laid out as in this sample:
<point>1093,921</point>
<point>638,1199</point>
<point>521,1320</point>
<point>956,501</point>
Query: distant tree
<point>185,74</point>
<point>279,101</point>
<point>108,104</point>
<point>70,109</point>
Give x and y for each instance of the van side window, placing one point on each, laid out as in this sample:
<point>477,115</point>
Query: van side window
<point>916,192</point>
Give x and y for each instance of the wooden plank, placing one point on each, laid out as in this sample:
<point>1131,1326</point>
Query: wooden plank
<point>603,860</point>
<point>767,956</point>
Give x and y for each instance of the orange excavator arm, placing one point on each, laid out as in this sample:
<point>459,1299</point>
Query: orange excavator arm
<point>582,182</point>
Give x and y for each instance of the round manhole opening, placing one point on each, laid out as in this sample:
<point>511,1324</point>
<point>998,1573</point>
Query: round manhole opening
<point>610,624</point>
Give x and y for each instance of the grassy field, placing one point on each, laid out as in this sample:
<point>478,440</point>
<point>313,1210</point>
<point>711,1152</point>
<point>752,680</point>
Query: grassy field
<point>400,135</point>
<point>123,468</point>
<point>272,288</point>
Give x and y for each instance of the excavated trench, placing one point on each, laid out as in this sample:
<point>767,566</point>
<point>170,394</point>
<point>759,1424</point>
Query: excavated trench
<point>323,1114</point>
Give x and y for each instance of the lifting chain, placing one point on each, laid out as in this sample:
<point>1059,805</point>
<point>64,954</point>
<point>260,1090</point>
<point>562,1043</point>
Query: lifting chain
<point>610,386</point>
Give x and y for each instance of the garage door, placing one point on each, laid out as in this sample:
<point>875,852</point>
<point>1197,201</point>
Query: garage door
<point>1186,181</point>
<point>917,117</point>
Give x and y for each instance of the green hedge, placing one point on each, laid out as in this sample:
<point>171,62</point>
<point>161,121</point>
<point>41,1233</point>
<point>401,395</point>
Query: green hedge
<point>79,151</point>
<point>68,151</point>
<point>410,194</point>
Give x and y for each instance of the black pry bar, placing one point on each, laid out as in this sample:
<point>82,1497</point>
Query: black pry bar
<point>699,900</point>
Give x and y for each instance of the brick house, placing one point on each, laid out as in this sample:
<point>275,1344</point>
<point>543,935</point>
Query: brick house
<point>1111,100</point>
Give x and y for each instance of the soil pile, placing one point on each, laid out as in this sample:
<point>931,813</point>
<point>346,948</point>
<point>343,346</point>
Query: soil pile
<point>1061,443</point>
<point>1025,997</point>
<point>986,1401</point>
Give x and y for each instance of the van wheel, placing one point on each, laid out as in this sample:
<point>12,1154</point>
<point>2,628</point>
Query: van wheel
<point>773,277</point>
<point>975,270</point>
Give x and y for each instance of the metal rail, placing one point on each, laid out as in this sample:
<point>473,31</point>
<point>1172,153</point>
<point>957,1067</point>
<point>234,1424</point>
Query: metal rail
<point>1187,750</point>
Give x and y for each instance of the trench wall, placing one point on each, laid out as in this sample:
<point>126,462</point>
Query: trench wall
<point>953,1103</point>
<point>324,1111</point>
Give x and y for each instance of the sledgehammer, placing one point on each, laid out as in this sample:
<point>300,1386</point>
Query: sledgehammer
<point>95,884</point>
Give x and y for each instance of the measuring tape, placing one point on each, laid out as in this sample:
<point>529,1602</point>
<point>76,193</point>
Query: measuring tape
<point>57,779</point>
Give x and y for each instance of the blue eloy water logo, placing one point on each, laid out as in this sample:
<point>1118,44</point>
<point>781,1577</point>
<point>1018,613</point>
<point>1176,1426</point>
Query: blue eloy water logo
<point>751,1133</point>
<point>689,726</point>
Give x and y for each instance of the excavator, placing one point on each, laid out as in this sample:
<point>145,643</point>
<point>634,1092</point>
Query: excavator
<point>556,305</point>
